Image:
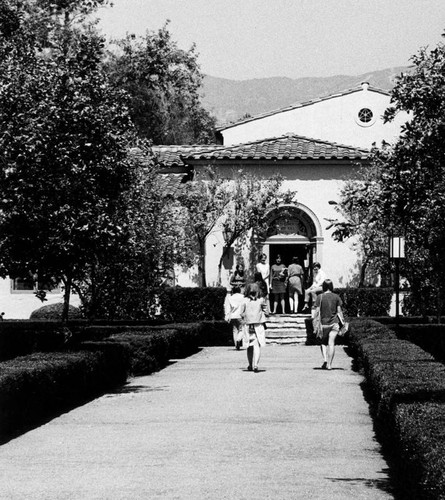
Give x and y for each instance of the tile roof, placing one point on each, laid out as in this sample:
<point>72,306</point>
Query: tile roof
<point>170,156</point>
<point>286,147</point>
<point>301,105</point>
<point>172,184</point>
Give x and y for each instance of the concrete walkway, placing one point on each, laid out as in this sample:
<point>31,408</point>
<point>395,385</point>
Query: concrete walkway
<point>206,428</point>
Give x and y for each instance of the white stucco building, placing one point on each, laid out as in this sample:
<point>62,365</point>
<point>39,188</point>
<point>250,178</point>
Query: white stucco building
<point>315,146</point>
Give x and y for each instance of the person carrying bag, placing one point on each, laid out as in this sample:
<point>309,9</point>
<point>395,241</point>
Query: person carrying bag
<point>327,315</point>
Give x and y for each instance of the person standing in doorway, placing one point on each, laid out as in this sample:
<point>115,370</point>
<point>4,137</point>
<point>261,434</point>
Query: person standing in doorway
<point>263,268</point>
<point>328,306</point>
<point>316,288</point>
<point>295,277</point>
<point>254,316</point>
<point>278,277</point>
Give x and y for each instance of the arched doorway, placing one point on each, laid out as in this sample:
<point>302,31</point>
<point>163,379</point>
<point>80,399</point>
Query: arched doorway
<point>294,231</point>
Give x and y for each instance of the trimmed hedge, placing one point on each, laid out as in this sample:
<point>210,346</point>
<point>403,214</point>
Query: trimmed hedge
<point>37,387</point>
<point>150,349</point>
<point>25,337</point>
<point>192,304</point>
<point>406,384</point>
<point>429,337</point>
<point>366,301</point>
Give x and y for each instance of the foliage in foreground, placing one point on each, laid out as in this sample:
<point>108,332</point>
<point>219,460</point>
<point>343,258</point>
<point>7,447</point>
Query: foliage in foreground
<point>39,386</point>
<point>408,397</point>
<point>64,136</point>
<point>402,193</point>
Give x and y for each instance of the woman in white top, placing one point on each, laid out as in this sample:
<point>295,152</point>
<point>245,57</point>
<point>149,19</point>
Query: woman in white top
<point>254,318</point>
<point>263,268</point>
<point>234,308</point>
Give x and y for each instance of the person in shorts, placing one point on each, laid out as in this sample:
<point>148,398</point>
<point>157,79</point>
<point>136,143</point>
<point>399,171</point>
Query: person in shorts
<point>328,305</point>
<point>254,316</point>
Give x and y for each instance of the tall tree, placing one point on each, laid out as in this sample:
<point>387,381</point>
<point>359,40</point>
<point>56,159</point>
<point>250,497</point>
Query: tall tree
<point>164,83</point>
<point>127,284</point>
<point>409,180</point>
<point>64,135</point>
<point>234,206</point>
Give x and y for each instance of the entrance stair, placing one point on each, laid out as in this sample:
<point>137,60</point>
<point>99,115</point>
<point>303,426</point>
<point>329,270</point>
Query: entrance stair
<point>286,328</point>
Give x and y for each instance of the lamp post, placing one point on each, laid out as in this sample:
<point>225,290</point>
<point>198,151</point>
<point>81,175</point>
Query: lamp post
<point>397,252</point>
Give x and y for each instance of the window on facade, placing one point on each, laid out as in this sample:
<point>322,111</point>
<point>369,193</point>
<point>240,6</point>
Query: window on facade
<point>365,115</point>
<point>23,284</point>
<point>29,285</point>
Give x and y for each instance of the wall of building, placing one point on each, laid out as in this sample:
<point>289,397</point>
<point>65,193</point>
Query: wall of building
<point>20,305</point>
<point>333,120</point>
<point>314,187</point>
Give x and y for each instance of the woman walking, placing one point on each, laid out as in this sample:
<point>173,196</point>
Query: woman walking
<point>254,318</point>
<point>328,307</point>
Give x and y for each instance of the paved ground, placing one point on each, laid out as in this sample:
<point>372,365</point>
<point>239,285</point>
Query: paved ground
<point>206,428</point>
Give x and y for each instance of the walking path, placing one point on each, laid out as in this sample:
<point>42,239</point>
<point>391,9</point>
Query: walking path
<point>206,428</point>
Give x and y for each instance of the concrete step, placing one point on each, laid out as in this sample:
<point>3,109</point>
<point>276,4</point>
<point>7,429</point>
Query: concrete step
<point>286,341</point>
<point>278,326</point>
<point>286,329</point>
<point>285,333</point>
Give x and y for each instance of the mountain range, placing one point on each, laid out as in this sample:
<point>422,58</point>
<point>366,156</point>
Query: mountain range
<point>231,100</point>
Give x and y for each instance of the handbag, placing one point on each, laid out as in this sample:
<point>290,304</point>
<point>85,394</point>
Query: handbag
<point>316,322</point>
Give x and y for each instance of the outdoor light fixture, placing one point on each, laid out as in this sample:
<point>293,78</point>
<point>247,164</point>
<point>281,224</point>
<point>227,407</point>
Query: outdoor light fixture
<point>397,247</point>
<point>397,252</point>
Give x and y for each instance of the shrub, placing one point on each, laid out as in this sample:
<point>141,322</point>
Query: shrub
<point>406,385</point>
<point>37,387</point>
<point>421,431</point>
<point>365,301</point>
<point>54,311</point>
<point>25,337</point>
<point>429,337</point>
<point>216,333</point>
<point>192,304</point>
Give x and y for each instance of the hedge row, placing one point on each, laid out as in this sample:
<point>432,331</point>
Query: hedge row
<point>179,304</point>
<point>39,386</point>
<point>151,349</point>
<point>19,338</point>
<point>366,301</point>
<point>407,389</point>
<point>429,337</point>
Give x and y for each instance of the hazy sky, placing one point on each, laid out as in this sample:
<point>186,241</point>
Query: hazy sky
<point>242,39</point>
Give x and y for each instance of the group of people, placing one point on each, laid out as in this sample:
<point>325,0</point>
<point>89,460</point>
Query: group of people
<point>281,280</point>
<point>247,312</point>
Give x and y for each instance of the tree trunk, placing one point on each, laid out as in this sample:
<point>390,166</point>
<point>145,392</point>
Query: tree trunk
<point>363,268</point>
<point>66,298</point>
<point>201,265</point>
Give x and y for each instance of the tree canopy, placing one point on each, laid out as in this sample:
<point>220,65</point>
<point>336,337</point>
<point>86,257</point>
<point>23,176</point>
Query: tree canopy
<point>164,84</point>
<point>64,136</point>
<point>404,191</point>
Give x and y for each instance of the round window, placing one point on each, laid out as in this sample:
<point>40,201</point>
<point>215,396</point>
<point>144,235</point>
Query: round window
<point>365,117</point>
